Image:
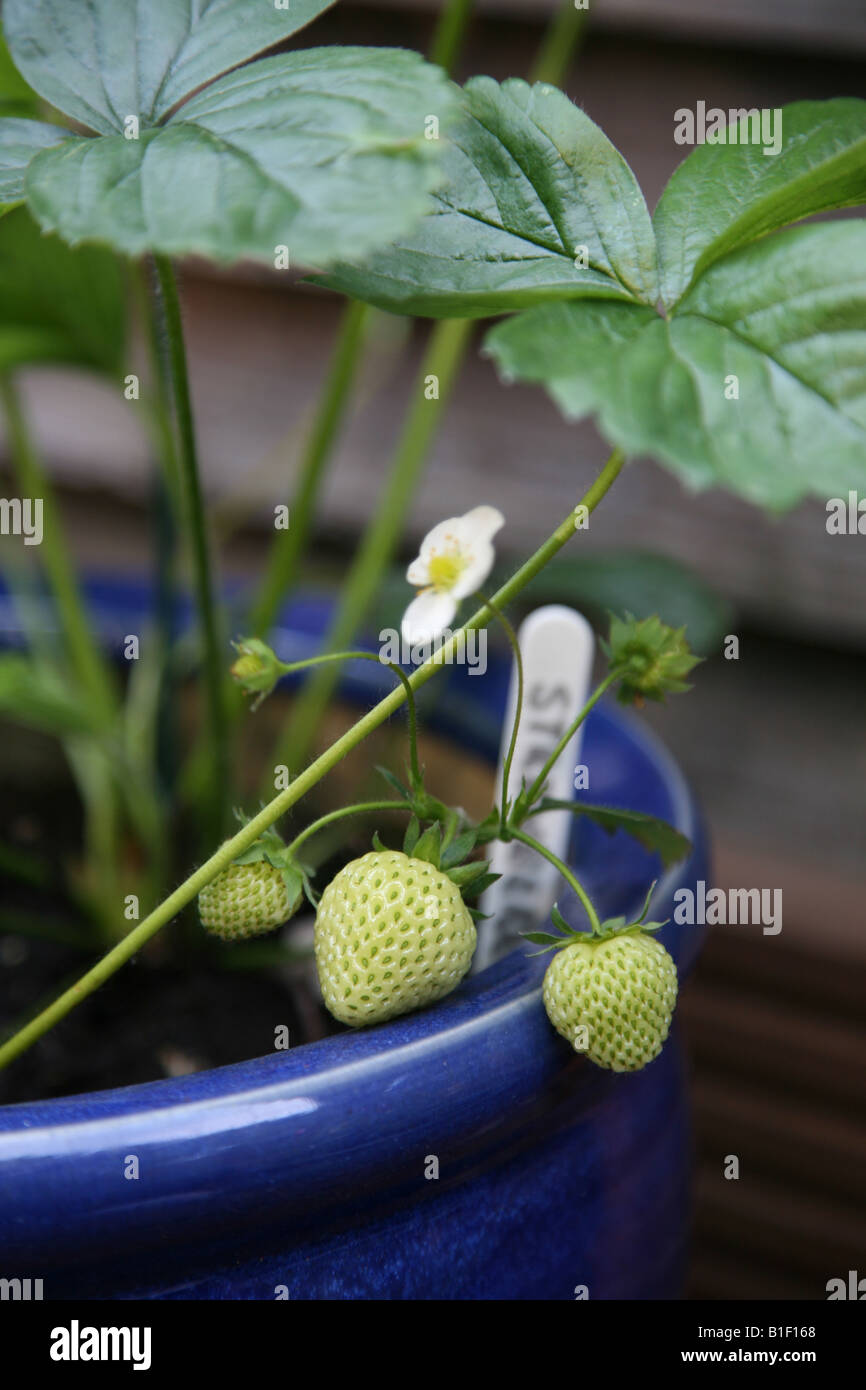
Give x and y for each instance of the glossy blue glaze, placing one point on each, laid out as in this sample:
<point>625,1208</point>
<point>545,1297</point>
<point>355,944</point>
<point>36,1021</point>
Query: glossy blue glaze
<point>306,1169</point>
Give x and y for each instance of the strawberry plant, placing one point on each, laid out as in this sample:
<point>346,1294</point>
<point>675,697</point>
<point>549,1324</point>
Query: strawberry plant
<point>715,334</point>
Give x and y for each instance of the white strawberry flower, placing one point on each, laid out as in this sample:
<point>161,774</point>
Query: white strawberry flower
<point>455,558</point>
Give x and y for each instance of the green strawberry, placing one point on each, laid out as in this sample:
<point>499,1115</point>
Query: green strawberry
<point>621,989</point>
<point>254,895</point>
<point>392,934</point>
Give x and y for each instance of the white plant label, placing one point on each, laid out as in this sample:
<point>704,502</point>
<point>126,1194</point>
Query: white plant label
<point>557,646</point>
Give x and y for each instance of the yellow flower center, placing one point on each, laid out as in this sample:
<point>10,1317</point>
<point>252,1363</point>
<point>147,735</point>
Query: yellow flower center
<point>445,570</point>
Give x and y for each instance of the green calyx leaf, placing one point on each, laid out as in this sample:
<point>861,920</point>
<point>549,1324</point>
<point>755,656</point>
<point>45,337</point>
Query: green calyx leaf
<point>271,849</point>
<point>536,204</point>
<point>394,782</point>
<point>652,658</point>
<point>468,875</point>
<point>620,926</point>
<point>299,159</point>
<point>429,845</point>
<point>457,849</point>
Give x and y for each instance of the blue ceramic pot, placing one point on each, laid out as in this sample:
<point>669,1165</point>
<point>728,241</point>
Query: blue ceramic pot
<point>302,1174</point>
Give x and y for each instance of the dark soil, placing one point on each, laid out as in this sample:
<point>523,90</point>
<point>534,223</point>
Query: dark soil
<point>147,1023</point>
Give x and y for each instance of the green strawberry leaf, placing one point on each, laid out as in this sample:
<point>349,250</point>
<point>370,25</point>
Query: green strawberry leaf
<point>20,140</point>
<point>723,195</point>
<point>529,181</point>
<point>16,97</point>
<point>322,152</point>
<point>58,303</point>
<point>650,831</point>
<point>783,319</point>
<point>101,61</point>
<point>429,845</point>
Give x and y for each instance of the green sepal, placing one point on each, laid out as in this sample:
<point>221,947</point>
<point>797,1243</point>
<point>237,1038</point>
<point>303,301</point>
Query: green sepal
<point>462,844</point>
<point>394,782</point>
<point>429,845</point>
<point>413,833</point>
<point>377,842</point>
<point>464,874</point>
<point>478,916</point>
<point>479,885</point>
<point>619,926</point>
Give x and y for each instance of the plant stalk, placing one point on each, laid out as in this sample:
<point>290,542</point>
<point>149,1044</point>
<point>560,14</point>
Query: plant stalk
<point>90,666</point>
<point>168,325</point>
<point>379,542</point>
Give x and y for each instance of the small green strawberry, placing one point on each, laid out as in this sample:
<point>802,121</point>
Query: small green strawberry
<point>255,894</point>
<point>392,934</point>
<point>613,998</point>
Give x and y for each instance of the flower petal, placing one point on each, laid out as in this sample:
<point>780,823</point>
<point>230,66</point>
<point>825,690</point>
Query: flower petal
<point>481,524</point>
<point>418,573</point>
<point>427,616</point>
<point>479,564</point>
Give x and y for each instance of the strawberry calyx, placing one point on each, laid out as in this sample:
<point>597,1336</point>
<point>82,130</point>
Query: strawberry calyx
<point>610,927</point>
<point>271,849</point>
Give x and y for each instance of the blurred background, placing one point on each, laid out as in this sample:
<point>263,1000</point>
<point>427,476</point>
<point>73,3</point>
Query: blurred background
<point>774,742</point>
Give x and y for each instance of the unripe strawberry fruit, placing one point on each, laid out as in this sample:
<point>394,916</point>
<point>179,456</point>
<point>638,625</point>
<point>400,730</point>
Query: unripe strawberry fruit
<point>392,934</point>
<point>246,900</point>
<point>621,990</point>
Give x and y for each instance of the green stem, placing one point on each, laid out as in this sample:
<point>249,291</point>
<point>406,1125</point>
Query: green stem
<point>287,668</point>
<point>284,800</point>
<point>540,780</point>
<point>379,542</point>
<point>566,872</point>
<point>450,32</point>
<point>290,545</point>
<point>362,808</point>
<point>559,45</point>
<point>518,709</point>
<point>169,327</point>
<point>92,670</point>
